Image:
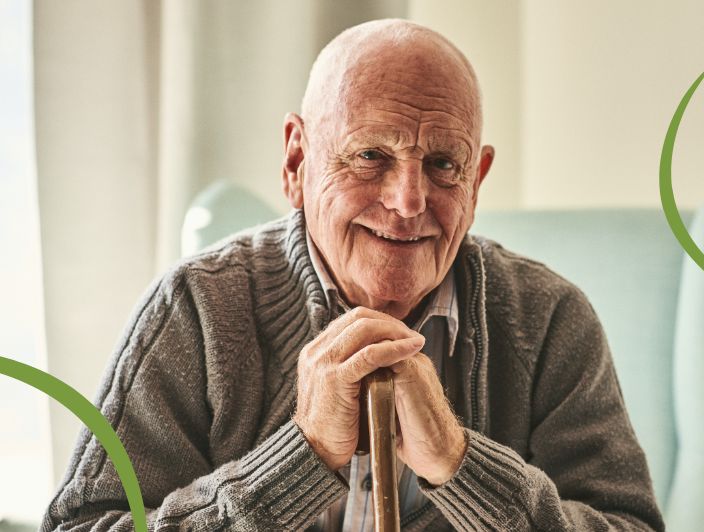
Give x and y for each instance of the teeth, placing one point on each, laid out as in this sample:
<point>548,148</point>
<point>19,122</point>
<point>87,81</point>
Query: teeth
<point>389,237</point>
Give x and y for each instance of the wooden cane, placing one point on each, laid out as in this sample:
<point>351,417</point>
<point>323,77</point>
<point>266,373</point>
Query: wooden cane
<point>381,412</point>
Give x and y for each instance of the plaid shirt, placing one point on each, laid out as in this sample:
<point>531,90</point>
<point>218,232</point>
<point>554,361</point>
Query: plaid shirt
<point>438,324</point>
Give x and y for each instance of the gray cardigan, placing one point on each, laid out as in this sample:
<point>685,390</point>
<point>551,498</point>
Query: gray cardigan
<point>202,387</point>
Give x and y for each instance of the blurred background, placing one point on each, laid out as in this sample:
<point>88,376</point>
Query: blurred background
<point>115,114</point>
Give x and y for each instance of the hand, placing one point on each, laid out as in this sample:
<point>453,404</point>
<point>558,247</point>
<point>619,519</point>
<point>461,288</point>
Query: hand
<point>330,369</point>
<point>431,441</point>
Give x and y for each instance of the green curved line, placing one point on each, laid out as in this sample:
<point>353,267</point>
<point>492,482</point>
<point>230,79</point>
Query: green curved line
<point>667,197</point>
<point>93,419</point>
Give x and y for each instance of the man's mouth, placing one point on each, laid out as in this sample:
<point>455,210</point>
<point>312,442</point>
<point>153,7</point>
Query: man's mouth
<point>395,238</point>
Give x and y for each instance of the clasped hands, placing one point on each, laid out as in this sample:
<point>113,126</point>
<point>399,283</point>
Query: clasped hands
<point>330,370</point>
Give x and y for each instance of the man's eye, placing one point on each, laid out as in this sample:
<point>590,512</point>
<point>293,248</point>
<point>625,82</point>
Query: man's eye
<point>443,172</point>
<point>442,164</point>
<point>371,155</point>
<point>370,164</point>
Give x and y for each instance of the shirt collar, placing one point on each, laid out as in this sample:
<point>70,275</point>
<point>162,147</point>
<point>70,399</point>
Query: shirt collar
<point>331,293</point>
<point>442,303</point>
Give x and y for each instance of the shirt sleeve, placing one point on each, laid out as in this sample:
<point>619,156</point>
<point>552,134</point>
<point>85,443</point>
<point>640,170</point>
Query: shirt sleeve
<point>586,470</point>
<point>155,396</point>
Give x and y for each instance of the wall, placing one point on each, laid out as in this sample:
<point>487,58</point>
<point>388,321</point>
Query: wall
<point>602,80</point>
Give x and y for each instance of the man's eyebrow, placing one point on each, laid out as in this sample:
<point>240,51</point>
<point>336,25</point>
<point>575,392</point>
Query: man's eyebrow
<point>373,137</point>
<point>450,144</point>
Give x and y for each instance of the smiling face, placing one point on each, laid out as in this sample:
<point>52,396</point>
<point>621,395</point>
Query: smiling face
<point>388,172</point>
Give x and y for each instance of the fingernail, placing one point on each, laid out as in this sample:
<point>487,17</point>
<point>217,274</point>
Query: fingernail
<point>419,340</point>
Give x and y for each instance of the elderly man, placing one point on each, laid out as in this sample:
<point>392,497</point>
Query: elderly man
<point>236,388</point>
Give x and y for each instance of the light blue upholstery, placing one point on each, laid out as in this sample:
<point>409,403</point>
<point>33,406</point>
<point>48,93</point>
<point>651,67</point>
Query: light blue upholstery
<point>221,209</point>
<point>630,266</point>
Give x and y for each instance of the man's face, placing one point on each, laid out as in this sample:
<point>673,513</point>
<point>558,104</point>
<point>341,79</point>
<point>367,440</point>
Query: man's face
<point>389,181</point>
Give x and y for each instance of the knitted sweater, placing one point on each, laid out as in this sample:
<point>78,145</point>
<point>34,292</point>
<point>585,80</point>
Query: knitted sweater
<point>202,387</point>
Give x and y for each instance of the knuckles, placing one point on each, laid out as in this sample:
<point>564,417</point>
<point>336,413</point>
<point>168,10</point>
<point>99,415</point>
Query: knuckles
<point>362,323</point>
<point>360,312</point>
<point>365,356</point>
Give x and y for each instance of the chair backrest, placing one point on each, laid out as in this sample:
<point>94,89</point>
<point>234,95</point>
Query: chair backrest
<point>685,509</point>
<point>219,210</point>
<point>629,265</point>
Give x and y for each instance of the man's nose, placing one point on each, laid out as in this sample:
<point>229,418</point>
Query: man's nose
<point>405,189</point>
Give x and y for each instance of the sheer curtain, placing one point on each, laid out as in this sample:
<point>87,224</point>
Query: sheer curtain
<point>25,457</point>
<point>139,105</point>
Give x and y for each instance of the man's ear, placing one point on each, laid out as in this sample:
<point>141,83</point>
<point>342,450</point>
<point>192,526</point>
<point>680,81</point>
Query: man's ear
<point>292,171</point>
<point>485,159</point>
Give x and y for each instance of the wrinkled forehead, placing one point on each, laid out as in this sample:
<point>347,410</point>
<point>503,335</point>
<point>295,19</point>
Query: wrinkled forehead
<point>422,66</point>
<point>413,92</point>
<point>415,85</point>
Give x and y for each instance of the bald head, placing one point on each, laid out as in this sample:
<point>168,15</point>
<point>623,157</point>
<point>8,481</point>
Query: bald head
<point>377,48</point>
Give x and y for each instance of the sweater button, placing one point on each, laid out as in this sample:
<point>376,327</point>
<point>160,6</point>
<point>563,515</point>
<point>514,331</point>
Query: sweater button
<point>367,482</point>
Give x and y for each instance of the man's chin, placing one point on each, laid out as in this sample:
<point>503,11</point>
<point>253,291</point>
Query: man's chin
<point>390,295</point>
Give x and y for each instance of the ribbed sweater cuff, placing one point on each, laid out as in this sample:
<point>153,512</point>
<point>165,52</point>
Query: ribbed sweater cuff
<point>289,480</point>
<point>486,490</point>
